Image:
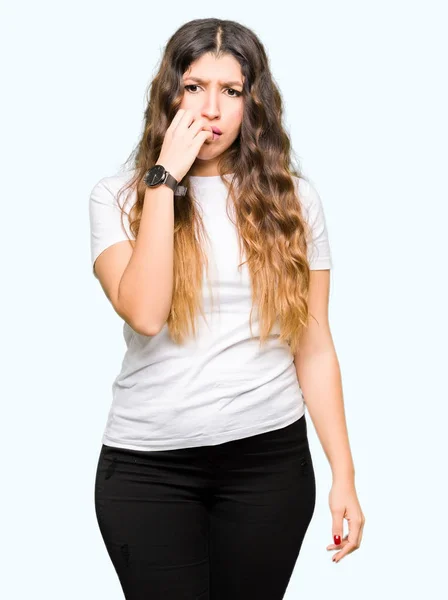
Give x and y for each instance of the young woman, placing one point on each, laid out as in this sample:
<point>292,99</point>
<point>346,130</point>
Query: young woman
<point>205,485</point>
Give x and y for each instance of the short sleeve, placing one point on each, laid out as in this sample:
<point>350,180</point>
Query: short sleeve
<point>319,252</point>
<point>106,227</point>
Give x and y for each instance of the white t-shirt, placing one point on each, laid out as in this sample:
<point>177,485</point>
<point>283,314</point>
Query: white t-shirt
<point>221,386</point>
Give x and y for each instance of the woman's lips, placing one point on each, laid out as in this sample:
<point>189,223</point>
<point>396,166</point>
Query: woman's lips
<point>216,134</point>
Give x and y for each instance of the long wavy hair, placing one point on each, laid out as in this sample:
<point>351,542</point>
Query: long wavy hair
<point>272,231</point>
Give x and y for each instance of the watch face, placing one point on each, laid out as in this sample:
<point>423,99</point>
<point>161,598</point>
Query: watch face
<point>155,175</point>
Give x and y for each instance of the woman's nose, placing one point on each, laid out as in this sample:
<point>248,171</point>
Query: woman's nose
<point>210,108</point>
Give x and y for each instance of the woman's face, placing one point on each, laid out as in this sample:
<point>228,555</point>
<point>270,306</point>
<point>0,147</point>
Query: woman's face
<point>218,99</point>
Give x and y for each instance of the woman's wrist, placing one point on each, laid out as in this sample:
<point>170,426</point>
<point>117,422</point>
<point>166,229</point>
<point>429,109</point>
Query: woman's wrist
<point>346,474</point>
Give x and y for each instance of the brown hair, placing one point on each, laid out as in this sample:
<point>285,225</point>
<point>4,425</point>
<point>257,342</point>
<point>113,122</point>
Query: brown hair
<point>271,228</point>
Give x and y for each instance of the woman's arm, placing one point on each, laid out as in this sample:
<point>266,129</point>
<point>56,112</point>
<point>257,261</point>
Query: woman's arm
<point>319,377</point>
<point>146,286</point>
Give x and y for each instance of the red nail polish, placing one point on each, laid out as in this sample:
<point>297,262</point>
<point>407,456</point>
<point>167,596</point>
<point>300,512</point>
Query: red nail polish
<point>337,539</point>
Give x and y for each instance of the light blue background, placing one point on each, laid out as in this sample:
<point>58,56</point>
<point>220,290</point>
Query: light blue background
<point>365,92</point>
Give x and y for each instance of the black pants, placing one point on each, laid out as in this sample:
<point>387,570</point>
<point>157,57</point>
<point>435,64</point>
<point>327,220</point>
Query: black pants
<point>222,522</point>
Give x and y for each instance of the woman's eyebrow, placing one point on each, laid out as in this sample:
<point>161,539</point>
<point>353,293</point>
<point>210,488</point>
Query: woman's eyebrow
<point>204,81</point>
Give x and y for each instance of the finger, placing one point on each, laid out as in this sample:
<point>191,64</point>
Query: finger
<point>200,138</point>
<point>338,526</point>
<point>343,543</point>
<point>354,530</point>
<point>177,117</point>
<point>352,538</point>
<point>199,125</point>
<point>347,550</point>
<point>361,532</point>
<point>186,119</point>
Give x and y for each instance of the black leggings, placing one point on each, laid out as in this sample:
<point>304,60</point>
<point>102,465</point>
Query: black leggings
<point>223,522</point>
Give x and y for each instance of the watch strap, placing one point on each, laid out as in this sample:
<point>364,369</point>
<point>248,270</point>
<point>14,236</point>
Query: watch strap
<point>171,182</point>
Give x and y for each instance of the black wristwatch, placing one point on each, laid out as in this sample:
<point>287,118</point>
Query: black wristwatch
<point>158,175</point>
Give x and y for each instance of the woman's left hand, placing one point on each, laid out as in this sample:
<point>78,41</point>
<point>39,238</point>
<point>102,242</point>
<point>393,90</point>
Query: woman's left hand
<point>344,504</point>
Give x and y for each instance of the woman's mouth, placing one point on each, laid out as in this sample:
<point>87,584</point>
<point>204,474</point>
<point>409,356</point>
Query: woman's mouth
<point>216,133</point>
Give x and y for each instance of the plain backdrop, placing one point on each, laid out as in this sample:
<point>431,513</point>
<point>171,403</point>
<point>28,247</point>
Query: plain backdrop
<point>365,91</point>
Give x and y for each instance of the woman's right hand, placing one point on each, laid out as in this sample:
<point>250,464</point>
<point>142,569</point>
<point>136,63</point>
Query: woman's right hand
<point>183,140</point>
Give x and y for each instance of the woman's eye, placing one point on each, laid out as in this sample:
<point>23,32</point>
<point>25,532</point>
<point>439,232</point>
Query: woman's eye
<point>236,93</point>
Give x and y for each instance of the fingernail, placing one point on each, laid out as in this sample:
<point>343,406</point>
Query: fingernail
<point>337,539</point>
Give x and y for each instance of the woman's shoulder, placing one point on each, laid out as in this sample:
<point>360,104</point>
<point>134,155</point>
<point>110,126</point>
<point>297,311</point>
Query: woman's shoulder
<point>107,189</point>
<point>116,180</point>
<point>309,197</point>
<point>305,187</point>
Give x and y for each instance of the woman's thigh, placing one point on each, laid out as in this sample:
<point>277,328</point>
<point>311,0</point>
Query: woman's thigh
<point>152,517</point>
<point>263,502</point>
